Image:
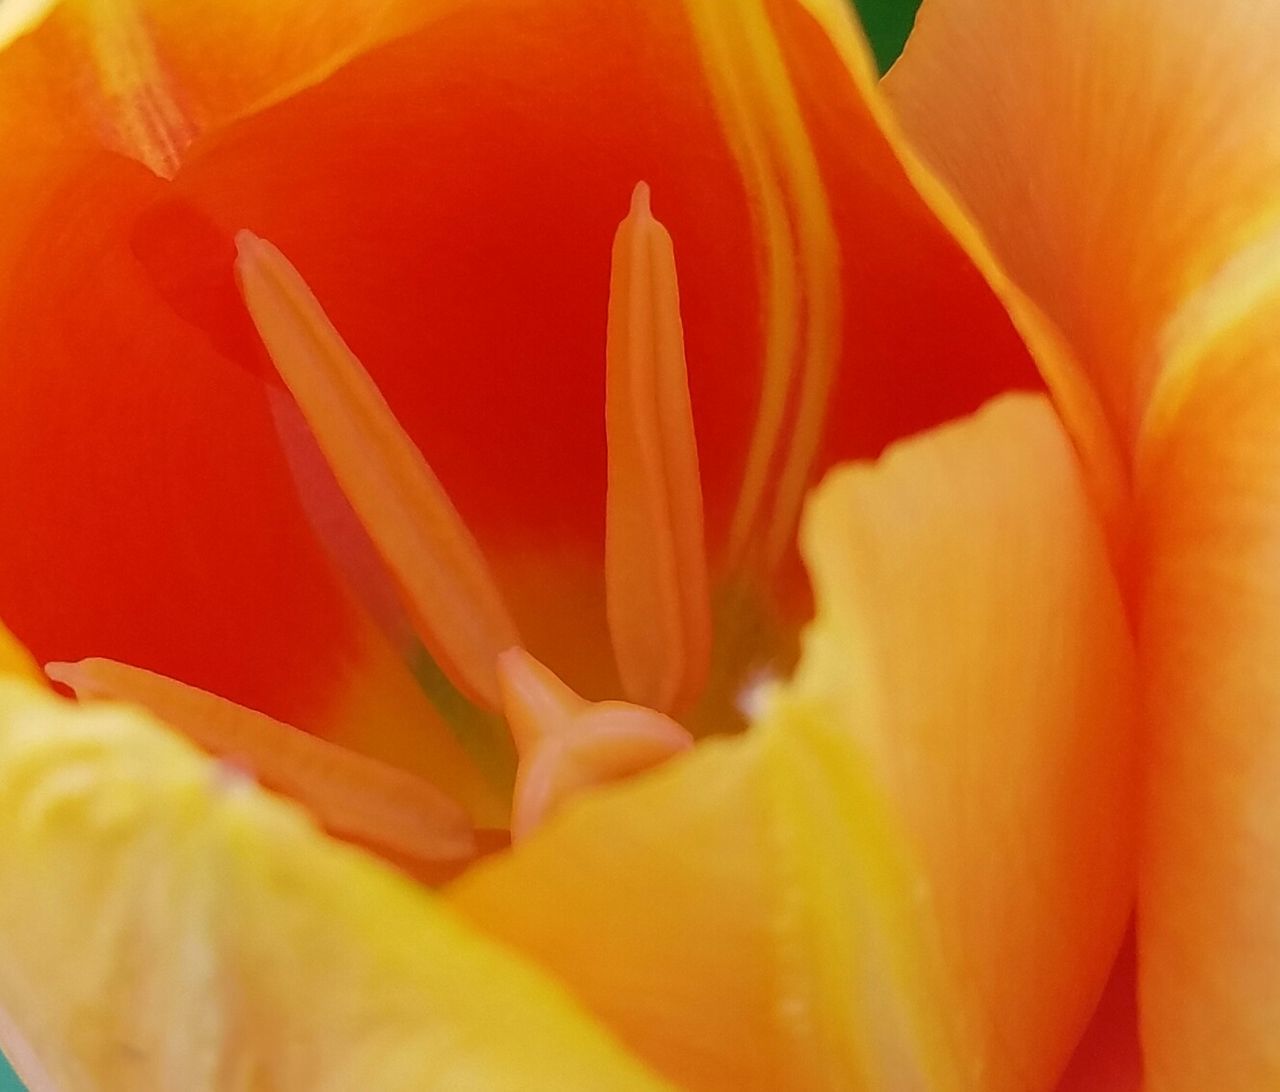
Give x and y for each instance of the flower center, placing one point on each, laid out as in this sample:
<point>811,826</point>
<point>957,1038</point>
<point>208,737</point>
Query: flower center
<point>655,560</point>
<point>493,691</point>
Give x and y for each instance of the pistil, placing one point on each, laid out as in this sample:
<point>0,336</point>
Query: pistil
<point>568,744</point>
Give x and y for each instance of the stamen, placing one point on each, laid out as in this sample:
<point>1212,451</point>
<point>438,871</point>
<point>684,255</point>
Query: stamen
<point>432,556</point>
<point>655,557</point>
<point>353,796</point>
<point>567,743</point>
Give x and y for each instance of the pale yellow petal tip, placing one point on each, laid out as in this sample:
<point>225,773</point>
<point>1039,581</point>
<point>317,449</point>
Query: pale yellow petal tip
<point>14,658</point>
<point>19,17</point>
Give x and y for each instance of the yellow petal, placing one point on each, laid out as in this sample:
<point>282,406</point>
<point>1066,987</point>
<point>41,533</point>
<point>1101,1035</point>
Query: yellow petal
<point>742,917</point>
<point>166,925</point>
<point>1114,153</point>
<point>1209,933</point>
<point>14,659</point>
<point>971,636</point>
<point>739,917</point>
<point>20,16</point>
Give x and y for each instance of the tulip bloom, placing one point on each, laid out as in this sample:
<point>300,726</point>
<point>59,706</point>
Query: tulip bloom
<point>370,444</point>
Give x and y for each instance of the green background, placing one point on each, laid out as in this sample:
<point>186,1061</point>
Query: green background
<point>887,22</point>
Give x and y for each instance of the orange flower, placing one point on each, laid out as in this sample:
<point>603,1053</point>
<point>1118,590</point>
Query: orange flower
<point>915,867</point>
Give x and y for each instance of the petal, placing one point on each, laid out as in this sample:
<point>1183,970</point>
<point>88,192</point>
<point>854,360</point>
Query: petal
<point>1113,153</point>
<point>1210,490</point>
<point>230,943</point>
<point>1145,135</point>
<point>739,918</point>
<point>988,672</point>
<point>971,657</point>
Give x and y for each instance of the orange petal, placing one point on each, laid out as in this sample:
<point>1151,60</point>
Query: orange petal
<point>179,929</point>
<point>972,658</point>
<point>971,635</point>
<point>655,556</point>
<point>1209,939</point>
<point>353,796</point>
<point>1113,153</point>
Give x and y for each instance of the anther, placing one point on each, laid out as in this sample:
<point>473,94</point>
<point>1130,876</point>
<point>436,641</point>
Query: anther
<point>655,555</point>
<point>434,560</point>
<point>353,796</point>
